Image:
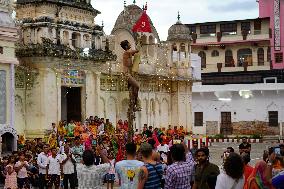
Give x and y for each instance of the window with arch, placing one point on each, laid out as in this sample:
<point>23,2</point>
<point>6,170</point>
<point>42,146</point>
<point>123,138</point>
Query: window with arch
<point>65,37</point>
<point>215,53</point>
<point>244,56</point>
<point>268,54</point>
<point>260,57</point>
<point>182,52</point>
<point>174,53</point>
<point>229,58</point>
<point>76,39</point>
<point>202,55</point>
<point>87,41</point>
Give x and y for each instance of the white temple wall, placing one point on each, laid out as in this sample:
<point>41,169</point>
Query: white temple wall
<point>156,109</point>
<point>38,106</point>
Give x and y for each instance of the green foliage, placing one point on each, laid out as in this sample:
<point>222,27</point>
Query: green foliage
<point>219,136</point>
<point>256,136</point>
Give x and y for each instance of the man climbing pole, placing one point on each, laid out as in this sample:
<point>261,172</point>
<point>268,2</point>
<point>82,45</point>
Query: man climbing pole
<point>131,61</point>
<point>127,69</point>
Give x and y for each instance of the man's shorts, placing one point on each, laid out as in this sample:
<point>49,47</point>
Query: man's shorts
<point>23,182</point>
<point>53,180</point>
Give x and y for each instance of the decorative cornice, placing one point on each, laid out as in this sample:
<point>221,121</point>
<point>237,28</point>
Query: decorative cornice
<point>50,49</point>
<point>45,21</point>
<point>80,4</point>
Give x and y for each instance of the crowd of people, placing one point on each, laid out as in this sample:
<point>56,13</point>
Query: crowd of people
<point>97,154</point>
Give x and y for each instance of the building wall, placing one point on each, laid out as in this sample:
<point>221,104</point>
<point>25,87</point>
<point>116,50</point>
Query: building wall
<point>266,9</point>
<point>211,62</point>
<point>159,109</point>
<point>5,94</point>
<point>249,116</point>
<point>38,107</point>
<point>260,35</point>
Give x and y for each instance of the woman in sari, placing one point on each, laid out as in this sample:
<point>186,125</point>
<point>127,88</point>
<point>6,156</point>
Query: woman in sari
<point>258,180</point>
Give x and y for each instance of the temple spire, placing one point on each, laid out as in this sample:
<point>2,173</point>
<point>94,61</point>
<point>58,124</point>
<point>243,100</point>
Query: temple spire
<point>146,6</point>
<point>134,2</point>
<point>124,3</point>
<point>178,17</point>
<point>102,23</point>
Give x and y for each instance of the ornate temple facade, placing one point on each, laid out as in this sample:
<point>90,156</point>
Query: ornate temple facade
<point>8,38</point>
<point>60,51</point>
<point>69,69</point>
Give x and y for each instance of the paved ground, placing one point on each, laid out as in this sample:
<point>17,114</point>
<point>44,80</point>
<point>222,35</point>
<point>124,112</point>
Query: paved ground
<point>217,149</point>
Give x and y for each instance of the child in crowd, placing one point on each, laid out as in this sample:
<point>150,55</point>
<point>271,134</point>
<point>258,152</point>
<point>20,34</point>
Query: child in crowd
<point>11,176</point>
<point>21,167</point>
<point>110,176</point>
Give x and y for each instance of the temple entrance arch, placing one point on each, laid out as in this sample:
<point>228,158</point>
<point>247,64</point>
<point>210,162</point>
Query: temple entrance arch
<point>8,139</point>
<point>71,104</point>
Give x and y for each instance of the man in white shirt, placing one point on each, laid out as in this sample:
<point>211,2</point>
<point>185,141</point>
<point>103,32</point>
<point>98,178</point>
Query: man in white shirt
<point>68,167</point>
<point>163,149</point>
<point>53,169</point>
<point>89,175</point>
<point>42,163</point>
<point>21,168</point>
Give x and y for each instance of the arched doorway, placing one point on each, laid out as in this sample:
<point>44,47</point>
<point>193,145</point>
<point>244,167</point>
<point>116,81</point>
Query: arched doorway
<point>8,139</point>
<point>244,56</point>
<point>228,58</point>
<point>7,142</point>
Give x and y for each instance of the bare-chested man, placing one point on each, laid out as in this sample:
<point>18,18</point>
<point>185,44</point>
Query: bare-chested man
<point>127,69</point>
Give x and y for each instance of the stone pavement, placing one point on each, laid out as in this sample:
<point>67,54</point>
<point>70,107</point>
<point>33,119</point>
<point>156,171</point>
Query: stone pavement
<point>217,149</point>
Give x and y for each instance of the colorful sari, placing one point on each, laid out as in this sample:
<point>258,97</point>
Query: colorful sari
<point>257,180</point>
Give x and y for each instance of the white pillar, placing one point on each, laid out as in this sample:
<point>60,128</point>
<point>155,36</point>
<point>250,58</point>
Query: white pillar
<point>82,44</point>
<point>70,38</point>
<point>97,88</point>
<point>90,93</point>
<point>12,95</point>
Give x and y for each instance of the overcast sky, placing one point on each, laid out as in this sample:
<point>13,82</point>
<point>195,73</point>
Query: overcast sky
<point>164,12</point>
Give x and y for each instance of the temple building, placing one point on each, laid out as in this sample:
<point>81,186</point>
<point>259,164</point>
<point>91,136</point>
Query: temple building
<point>70,70</point>
<point>242,86</point>
<point>8,38</point>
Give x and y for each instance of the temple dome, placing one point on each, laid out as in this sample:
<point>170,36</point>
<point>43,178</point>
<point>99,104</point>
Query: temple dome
<point>127,19</point>
<point>179,32</point>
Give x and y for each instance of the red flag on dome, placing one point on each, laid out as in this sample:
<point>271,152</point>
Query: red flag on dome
<point>143,24</point>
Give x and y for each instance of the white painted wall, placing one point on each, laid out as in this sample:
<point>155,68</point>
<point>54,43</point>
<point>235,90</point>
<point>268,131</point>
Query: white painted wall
<point>256,108</point>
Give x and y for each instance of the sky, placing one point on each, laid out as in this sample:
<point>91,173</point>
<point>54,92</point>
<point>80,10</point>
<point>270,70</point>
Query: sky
<point>163,13</point>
